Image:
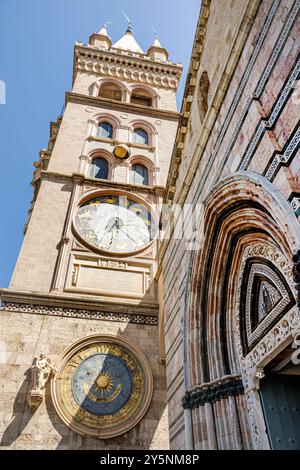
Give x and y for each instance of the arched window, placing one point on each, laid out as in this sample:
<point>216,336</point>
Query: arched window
<point>99,168</point>
<point>140,136</point>
<point>139,174</point>
<point>141,97</point>
<point>105,129</point>
<point>110,91</point>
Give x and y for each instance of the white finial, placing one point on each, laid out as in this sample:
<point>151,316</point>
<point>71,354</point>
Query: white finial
<point>156,51</point>
<point>103,30</point>
<point>156,41</point>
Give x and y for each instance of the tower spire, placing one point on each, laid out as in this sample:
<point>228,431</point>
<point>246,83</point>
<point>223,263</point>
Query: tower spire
<point>102,38</point>
<point>128,41</point>
<point>103,30</point>
<point>156,51</point>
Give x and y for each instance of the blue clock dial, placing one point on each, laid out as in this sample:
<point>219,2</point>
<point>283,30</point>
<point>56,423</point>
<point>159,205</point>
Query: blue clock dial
<point>102,384</point>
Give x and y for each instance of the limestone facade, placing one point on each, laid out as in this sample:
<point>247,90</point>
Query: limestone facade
<point>236,158</point>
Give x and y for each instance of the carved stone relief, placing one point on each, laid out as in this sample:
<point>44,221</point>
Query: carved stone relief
<point>41,370</point>
<point>269,341</point>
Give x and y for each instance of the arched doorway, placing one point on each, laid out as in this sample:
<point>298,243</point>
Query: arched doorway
<point>242,311</point>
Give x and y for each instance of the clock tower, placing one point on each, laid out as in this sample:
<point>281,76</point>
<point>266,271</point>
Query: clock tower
<point>80,321</point>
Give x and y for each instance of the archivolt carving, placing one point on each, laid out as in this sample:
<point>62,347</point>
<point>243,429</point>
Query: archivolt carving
<point>245,217</point>
<point>258,276</point>
<point>252,365</point>
<point>266,251</point>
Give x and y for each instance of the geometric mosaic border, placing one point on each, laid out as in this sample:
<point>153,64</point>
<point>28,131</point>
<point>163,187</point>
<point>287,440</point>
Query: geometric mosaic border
<point>79,313</point>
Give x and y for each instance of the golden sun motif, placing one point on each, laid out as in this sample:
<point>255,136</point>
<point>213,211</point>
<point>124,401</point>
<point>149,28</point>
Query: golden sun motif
<point>110,200</point>
<point>104,382</point>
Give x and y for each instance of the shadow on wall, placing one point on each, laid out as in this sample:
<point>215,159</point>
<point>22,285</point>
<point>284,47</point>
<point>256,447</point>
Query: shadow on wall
<point>21,414</point>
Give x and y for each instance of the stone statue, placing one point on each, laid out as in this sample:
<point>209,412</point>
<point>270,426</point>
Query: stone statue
<point>40,372</point>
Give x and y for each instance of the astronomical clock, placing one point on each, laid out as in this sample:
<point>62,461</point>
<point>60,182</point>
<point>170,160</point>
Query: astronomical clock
<point>103,386</point>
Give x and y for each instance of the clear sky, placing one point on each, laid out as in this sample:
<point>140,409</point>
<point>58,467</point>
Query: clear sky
<point>36,44</point>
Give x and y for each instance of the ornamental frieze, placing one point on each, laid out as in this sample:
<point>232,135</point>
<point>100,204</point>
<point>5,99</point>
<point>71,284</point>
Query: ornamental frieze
<point>147,76</point>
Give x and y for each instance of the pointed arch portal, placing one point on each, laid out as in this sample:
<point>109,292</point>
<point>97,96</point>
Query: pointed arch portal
<point>241,312</point>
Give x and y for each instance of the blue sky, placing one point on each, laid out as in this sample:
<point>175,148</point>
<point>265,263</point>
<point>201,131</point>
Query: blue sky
<point>36,44</point>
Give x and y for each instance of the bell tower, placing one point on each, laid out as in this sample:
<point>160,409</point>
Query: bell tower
<point>80,318</point>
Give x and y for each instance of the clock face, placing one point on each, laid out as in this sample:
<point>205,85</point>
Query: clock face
<point>115,223</point>
<point>102,387</point>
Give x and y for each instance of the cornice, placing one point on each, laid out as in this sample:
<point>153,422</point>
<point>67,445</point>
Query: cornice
<point>82,180</point>
<point>76,307</point>
<point>188,97</point>
<point>71,97</point>
<point>147,148</point>
<point>123,65</point>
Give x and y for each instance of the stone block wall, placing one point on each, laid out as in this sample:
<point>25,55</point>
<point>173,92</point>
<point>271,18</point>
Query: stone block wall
<point>23,337</point>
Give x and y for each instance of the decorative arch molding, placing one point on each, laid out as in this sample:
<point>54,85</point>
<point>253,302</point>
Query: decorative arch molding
<point>104,154</point>
<point>143,161</point>
<point>94,89</point>
<point>146,126</point>
<point>155,96</point>
<point>267,298</point>
<point>102,117</point>
<point>245,218</point>
<point>143,124</point>
<point>109,117</point>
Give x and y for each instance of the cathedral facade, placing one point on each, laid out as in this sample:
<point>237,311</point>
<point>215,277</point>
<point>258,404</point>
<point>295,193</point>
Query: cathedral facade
<point>229,271</point>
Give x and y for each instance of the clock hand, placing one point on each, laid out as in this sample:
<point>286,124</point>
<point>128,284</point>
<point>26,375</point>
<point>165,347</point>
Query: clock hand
<point>107,230</point>
<point>112,226</point>
<point>113,235</point>
<point>102,237</point>
<point>111,240</point>
<point>126,233</point>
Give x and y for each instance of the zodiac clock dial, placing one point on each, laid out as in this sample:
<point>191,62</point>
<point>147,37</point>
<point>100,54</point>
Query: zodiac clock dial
<point>103,387</point>
<point>115,223</point>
